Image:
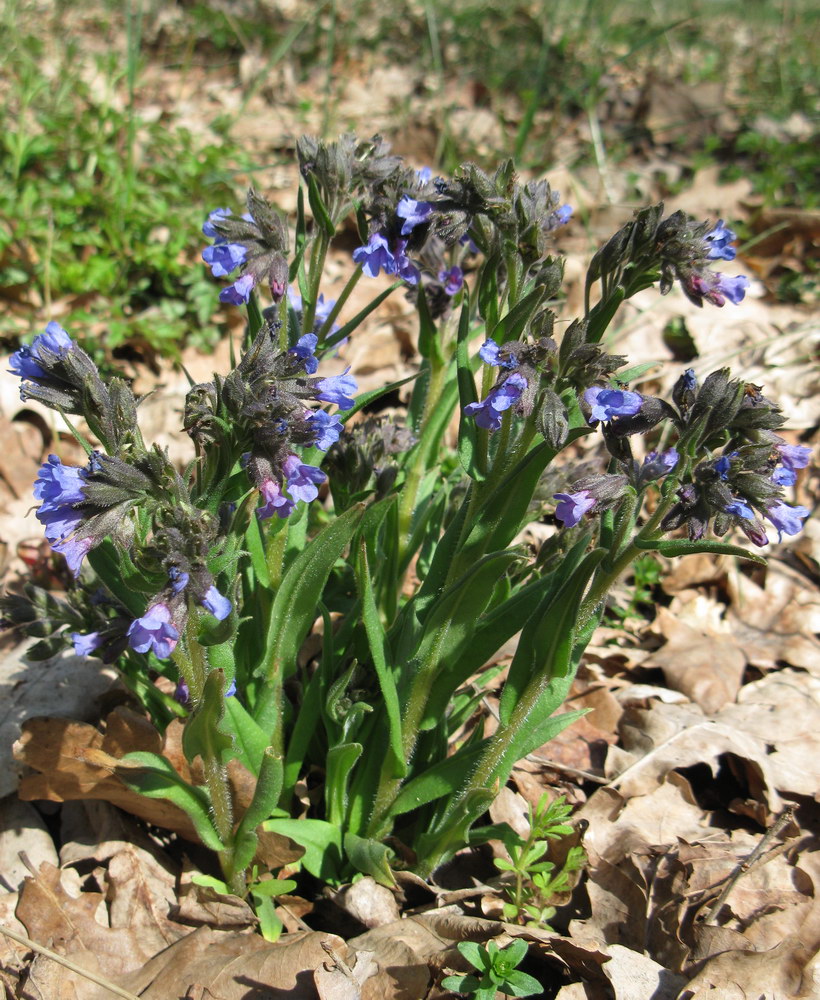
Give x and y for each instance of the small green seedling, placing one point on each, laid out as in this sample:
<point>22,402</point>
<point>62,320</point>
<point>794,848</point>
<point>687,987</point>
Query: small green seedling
<point>498,972</point>
<point>538,882</point>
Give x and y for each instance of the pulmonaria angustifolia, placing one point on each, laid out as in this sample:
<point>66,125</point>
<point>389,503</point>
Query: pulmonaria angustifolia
<point>256,243</point>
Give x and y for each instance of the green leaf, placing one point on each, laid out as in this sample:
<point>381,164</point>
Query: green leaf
<point>204,735</point>
<point>370,857</point>
<point>154,777</point>
<point>250,741</point>
<point>428,341</point>
<point>340,762</point>
<point>511,325</point>
<point>379,653</point>
<point>671,549</point>
<point>318,207</point>
<point>444,778</point>
<point>520,984</point>
<point>272,887</point>
<point>294,608</point>
<point>515,952</point>
<point>106,563</point>
<point>265,797</point>
<point>547,640</point>
<point>475,954</point>
<point>322,843</point>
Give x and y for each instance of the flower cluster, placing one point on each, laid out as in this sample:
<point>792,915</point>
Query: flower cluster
<point>256,243</point>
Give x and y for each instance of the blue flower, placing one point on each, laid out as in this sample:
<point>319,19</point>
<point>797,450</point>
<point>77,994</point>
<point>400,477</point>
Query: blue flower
<point>218,605</point>
<point>154,632</point>
<point>59,484</point>
<point>718,241</point>
<point>27,362</point>
<point>402,265</point>
<point>606,404</point>
<point>59,487</point>
<point>303,349</point>
<point>182,693</point>
<point>787,519</point>
<point>488,412</point>
<point>239,292</point>
<point>560,217</point>
<point>783,476</point>
<point>423,175</point>
<point>740,509</point>
<point>84,645</point>
<point>337,389</point>
<point>722,467</point>
<point>275,502</point>
<point>715,287</point>
<point>573,506</point>
<point>452,280</point>
<point>223,258</point>
<point>690,380</point>
<point>414,213</point>
<point>374,256</point>
<point>794,456</point>
<point>327,428</point>
<point>303,480</point>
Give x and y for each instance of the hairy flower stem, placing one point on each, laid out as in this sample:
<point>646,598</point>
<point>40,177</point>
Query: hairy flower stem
<point>344,295</point>
<point>317,266</point>
<point>190,659</point>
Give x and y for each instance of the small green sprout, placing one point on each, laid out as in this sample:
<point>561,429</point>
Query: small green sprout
<point>498,972</point>
<point>538,882</point>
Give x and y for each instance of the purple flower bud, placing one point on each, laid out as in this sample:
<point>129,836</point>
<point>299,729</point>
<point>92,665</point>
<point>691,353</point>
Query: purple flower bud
<point>239,292</point>
<point>179,580</point>
<point>84,645</point>
<point>374,256</point>
<point>413,212</point>
<point>154,632</point>
<point>787,519</point>
<point>208,226</point>
<point>182,693</point>
<point>657,464</point>
<point>303,480</point>
<point>337,389</point>
<point>794,456</point>
<point>327,428</point>
<point>488,412</point>
<point>275,502</point>
<point>452,280</point>
<point>223,258</point>
<point>690,380</point>
<point>303,349</point>
<point>563,214</point>
<point>219,606</point>
<point>573,506</point>
<point>609,403</point>
<point>718,241</point>
<point>740,509</point>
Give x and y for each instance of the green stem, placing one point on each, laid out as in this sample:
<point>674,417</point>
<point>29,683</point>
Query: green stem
<point>325,328</point>
<point>317,266</point>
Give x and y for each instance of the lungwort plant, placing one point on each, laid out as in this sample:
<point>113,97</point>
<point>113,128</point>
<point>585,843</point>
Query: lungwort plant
<point>304,514</point>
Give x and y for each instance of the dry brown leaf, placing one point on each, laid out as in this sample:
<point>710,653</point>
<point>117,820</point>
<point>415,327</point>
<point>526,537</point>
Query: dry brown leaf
<point>635,976</point>
<point>776,974</point>
<point>368,902</point>
<point>705,666</point>
<point>335,980</point>
<point>22,829</point>
<point>232,965</point>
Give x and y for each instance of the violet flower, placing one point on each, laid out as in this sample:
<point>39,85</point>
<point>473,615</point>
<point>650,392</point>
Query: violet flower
<point>573,506</point>
<point>239,292</point>
<point>374,256</point>
<point>84,645</point>
<point>25,362</point>
<point>303,480</point>
<point>223,258</point>
<point>303,349</point>
<point>794,456</point>
<point>718,241</point>
<point>328,428</point>
<point>414,213</point>
<point>275,502</point>
<point>488,412</point>
<point>218,605</point>
<point>787,519</point>
<point>154,632</point>
<point>452,280</point>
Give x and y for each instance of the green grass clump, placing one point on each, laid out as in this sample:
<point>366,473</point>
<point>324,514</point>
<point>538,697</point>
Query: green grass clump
<point>100,209</point>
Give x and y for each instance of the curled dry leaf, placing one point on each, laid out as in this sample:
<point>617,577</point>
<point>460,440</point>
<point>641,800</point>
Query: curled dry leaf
<point>22,829</point>
<point>368,902</point>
